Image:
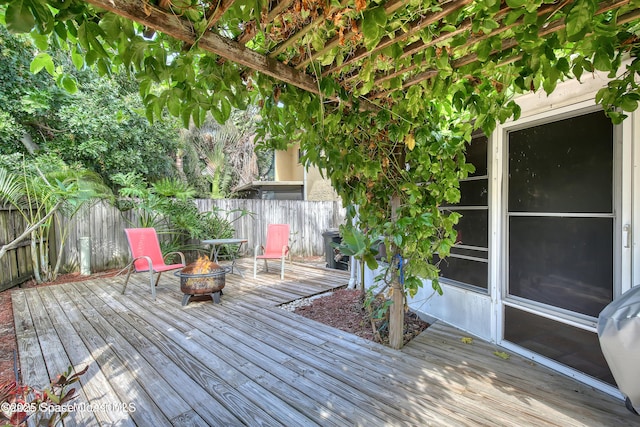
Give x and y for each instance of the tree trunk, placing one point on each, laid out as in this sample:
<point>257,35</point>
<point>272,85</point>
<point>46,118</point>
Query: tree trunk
<point>180,164</point>
<point>396,311</point>
<point>34,257</point>
<point>14,244</point>
<point>28,143</point>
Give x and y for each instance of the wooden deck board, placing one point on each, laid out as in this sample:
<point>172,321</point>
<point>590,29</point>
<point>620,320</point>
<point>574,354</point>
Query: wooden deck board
<point>247,362</point>
<point>123,381</point>
<point>202,329</point>
<point>58,362</point>
<point>95,385</point>
<point>184,385</point>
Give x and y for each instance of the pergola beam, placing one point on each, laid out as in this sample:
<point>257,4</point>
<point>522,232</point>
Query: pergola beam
<point>215,12</point>
<point>181,29</point>
<point>506,44</point>
<point>400,35</point>
<point>389,8</point>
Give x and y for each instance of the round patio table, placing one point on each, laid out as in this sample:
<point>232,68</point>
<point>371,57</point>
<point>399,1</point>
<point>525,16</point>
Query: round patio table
<point>216,246</point>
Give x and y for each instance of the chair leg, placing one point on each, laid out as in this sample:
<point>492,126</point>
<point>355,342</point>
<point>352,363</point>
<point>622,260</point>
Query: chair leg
<point>282,268</point>
<point>266,266</point>
<point>158,278</point>
<point>153,288</point>
<point>126,281</point>
<point>255,268</point>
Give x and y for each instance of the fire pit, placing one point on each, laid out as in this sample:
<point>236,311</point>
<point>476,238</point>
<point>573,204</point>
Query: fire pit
<point>202,277</point>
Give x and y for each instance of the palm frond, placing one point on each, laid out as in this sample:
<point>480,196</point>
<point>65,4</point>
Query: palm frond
<point>11,188</point>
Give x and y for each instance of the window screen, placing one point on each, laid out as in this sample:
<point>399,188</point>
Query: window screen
<point>468,262</point>
<point>565,166</point>
<point>561,219</point>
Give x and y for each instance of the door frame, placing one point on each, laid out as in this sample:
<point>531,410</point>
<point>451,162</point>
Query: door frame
<point>623,189</point>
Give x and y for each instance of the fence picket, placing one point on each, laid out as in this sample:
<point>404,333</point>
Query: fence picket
<point>105,224</point>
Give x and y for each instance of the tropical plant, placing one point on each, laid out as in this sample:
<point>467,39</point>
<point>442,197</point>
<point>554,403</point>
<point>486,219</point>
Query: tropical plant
<point>168,206</point>
<point>226,153</point>
<point>388,124</point>
<point>22,404</point>
<point>38,188</point>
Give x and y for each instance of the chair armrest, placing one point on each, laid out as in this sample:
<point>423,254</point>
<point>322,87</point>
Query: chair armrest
<point>143,257</point>
<point>182,259</point>
<point>257,249</point>
<point>285,250</point>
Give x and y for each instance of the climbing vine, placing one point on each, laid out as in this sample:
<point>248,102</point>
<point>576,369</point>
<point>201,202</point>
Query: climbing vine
<point>388,121</point>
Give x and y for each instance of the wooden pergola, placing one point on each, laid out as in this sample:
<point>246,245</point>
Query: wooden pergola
<point>300,42</point>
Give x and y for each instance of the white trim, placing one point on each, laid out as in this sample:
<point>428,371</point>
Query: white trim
<point>633,131</point>
<point>586,323</point>
<point>564,214</point>
<point>468,258</point>
<point>474,178</point>
<point>496,232</point>
<point>473,248</point>
<point>532,116</point>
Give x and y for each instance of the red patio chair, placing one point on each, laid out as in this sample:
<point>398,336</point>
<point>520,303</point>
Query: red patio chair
<point>147,256</point>
<point>277,247</point>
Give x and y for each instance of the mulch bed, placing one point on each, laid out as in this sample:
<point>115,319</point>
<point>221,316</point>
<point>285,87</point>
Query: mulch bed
<point>344,309</point>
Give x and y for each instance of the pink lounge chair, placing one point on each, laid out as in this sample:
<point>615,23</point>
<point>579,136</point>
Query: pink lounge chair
<point>147,256</point>
<point>277,247</point>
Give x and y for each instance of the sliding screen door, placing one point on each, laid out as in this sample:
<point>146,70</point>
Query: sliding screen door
<point>560,222</point>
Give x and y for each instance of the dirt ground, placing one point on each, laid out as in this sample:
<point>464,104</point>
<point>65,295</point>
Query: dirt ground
<point>342,309</point>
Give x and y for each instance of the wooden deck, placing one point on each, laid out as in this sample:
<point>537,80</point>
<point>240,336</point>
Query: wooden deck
<point>247,362</point>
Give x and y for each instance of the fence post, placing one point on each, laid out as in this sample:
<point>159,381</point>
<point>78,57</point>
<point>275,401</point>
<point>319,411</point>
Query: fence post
<point>85,256</point>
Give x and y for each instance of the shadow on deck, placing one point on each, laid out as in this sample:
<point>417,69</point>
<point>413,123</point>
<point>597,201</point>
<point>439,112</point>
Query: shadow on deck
<point>247,362</point>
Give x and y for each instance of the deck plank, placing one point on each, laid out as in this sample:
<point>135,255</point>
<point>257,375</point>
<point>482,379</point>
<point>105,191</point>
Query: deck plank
<point>95,385</point>
<point>245,361</point>
<point>244,398</point>
<point>123,381</point>
<point>183,384</point>
<point>203,328</point>
<point>58,362</point>
<point>32,365</point>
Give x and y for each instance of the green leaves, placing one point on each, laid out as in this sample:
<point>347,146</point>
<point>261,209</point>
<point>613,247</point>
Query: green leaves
<point>67,82</point>
<point>19,18</point>
<point>579,19</point>
<point>43,60</point>
<point>514,4</point>
<point>373,26</point>
<point>629,102</point>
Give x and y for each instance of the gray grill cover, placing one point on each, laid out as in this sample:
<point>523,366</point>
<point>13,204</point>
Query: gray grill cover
<point>619,333</point>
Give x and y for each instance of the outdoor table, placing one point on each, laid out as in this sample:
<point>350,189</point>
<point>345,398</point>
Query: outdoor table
<point>217,244</point>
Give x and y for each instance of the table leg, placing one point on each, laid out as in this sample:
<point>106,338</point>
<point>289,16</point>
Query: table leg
<point>233,260</point>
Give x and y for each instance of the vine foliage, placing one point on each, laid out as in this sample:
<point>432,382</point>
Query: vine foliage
<point>397,88</point>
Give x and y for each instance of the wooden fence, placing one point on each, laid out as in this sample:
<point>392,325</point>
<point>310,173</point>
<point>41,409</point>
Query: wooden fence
<point>104,225</point>
<point>15,266</point>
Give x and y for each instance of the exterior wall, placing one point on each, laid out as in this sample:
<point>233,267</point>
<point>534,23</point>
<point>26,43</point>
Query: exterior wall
<point>482,313</point>
<point>287,165</point>
<point>318,188</point>
<point>288,168</point>
<point>466,309</point>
